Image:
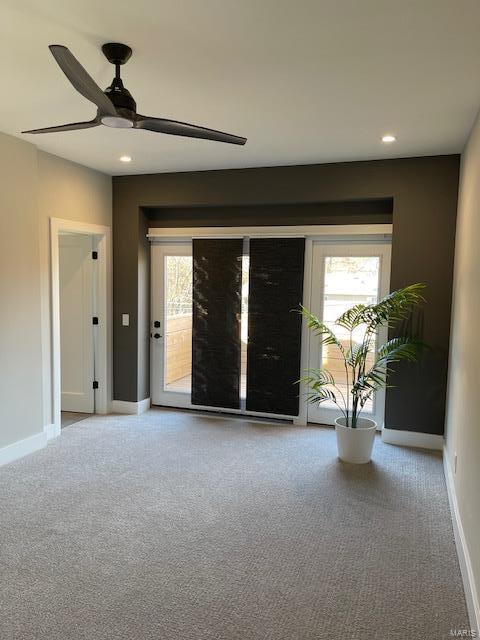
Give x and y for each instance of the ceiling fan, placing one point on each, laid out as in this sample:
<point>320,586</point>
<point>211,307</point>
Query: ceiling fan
<point>116,106</point>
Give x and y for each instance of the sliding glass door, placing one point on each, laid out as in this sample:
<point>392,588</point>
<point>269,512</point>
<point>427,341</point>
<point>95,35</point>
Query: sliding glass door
<point>344,275</point>
<point>222,332</point>
<point>223,335</point>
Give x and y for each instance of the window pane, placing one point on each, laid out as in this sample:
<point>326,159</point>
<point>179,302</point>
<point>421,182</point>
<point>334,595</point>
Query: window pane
<point>244,326</point>
<point>348,281</point>
<point>178,323</point>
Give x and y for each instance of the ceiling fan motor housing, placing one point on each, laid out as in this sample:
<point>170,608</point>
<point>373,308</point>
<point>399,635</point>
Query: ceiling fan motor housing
<point>121,97</point>
<point>118,54</point>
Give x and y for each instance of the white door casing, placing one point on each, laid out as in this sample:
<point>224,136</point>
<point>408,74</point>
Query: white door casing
<point>102,240</point>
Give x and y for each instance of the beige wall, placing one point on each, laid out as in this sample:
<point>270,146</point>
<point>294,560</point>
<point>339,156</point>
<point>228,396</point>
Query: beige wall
<point>20,330</point>
<point>463,416</point>
<point>71,192</point>
<point>35,186</point>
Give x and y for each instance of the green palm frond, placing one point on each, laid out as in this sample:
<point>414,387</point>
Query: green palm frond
<point>400,348</point>
<point>357,354</point>
<point>352,318</point>
<point>374,379</point>
<point>320,329</point>
<point>389,310</point>
<point>396,349</point>
<point>321,387</point>
<point>322,395</point>
<point>318,377</point>
<point>393,307</point>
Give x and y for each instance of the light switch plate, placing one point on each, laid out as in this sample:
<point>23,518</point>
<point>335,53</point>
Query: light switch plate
<point>125,319</point>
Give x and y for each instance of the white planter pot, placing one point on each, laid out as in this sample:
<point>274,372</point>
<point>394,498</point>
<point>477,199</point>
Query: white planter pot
<point>355,445</point>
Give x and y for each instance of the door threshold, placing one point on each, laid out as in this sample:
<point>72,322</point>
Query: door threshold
<point>237,417</point>
<point>225,415</point>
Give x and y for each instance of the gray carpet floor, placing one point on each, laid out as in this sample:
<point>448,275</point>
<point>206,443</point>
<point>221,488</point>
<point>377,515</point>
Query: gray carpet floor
<point>71,417</point>
<point>169,526</point>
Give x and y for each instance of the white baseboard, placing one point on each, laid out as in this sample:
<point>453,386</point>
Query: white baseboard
<point>130,408</point>
<point>412,439</point>
<point>52,431</point>
<point>471,595</point>
<point>22,448</point>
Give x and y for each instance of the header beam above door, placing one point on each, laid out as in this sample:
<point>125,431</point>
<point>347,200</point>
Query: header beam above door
<point>384,231</point>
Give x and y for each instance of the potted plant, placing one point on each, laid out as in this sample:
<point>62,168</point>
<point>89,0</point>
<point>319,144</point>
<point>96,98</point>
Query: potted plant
<point>366,369</point>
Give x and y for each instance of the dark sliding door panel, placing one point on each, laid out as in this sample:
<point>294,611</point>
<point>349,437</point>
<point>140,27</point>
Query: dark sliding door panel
<point>274,330</point>
<point>217,286</point>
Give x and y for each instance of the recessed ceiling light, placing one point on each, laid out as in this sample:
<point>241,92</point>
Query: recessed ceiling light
<point>388,138</point>
<point>125,159</point>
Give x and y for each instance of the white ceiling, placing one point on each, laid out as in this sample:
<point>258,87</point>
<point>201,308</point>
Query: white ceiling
<point>305,81</point>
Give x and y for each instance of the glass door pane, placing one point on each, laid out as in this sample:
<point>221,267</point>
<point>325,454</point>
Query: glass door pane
<point>244,328</point>
<point>178,324</point>
<point>348,280</point>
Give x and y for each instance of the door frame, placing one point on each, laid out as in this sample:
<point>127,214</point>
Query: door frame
<point>350,247</point>
<point>103,344</point>
<point>360,233</point>
<point>158,394</point>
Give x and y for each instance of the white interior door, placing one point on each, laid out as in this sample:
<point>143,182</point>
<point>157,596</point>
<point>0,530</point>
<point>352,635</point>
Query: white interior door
<point>342,276</point>
<point>76,277</point>
<point>171,325</point>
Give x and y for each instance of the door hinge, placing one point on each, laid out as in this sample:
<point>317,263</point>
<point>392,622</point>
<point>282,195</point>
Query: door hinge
<point>94,320</point>
<point>94,255</point>
<point>95,384</point>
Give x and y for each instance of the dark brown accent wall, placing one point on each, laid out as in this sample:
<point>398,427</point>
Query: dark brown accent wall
<point>424,196</point>
<point>350,212</point>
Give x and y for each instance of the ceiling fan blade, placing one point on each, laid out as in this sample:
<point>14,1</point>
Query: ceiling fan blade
<point>73,126</point>
<point>81,80</point>
<point>174,128</point>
